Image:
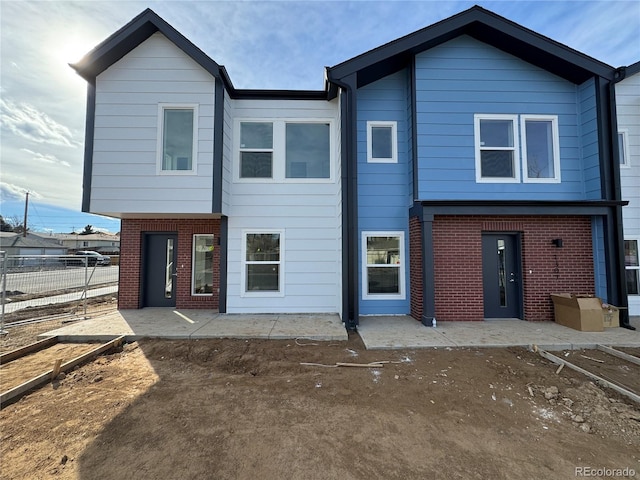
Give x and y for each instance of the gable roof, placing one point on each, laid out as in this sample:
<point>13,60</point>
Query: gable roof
<point>485,26</point>
<point>632,69</point>
<point>129,37</point>
<point>146,24</point>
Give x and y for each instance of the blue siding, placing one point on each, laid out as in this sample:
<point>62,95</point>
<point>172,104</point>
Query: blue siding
<point>464,77</point>
<point>385,189</point>
<point>599,260</point>
<point>589,140</point>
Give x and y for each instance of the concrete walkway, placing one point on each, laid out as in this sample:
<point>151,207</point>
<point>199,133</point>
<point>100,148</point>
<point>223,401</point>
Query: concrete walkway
<point>383,332</point>
<point>406,332</point>
<point>194,324</point>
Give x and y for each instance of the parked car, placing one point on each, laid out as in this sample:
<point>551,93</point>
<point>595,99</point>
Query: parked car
<point>93,258</point>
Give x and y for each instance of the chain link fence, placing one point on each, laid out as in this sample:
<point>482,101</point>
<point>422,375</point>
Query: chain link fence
<point>39,287</point>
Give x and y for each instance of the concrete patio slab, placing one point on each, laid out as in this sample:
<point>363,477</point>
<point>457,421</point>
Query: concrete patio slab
<point>380,332</point>
<point>193,324</point>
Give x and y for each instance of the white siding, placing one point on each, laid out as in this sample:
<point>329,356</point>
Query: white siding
<point>124,177</point>
<point>628,108</point>
<point>308,213</point>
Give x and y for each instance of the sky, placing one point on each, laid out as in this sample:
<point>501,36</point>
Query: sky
<point>263,45</point>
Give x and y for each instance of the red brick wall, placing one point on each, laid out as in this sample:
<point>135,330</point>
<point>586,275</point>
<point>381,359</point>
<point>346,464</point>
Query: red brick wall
<point>458,262</point>
<point>415,266</point>
<point>131,235</point>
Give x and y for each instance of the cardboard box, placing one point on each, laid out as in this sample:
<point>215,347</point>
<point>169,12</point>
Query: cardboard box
<point>611,315</point>
<point>580,312</point>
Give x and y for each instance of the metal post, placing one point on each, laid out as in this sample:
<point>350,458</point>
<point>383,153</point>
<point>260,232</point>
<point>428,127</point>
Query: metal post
<point>86,284</point>
<point>3,332</point>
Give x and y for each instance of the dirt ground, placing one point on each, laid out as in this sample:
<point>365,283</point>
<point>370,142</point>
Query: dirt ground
<point>236,409</point>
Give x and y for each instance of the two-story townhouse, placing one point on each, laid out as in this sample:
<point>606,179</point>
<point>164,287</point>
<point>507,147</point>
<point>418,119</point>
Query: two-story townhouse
<point>483,176</point>
<point>463,172</point>
<point>229,199</point>
<point>627,96</point>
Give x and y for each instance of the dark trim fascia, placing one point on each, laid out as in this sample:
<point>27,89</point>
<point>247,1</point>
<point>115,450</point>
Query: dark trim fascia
<point>129,37</point>
<point>516,207</point>
<point>88,147</point>
<point>224,248</point>
<point>414,129</point>
<point>218,151</point>
<point>605,133</point>
<point>487,27</point>
<point>630,70</point>
<point>614,230</point>
<point>278,94</point>
<point>349,182</point>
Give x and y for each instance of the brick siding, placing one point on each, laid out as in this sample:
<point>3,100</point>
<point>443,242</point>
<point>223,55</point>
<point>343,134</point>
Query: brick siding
<point>131,236</point>
<point>458,262</point>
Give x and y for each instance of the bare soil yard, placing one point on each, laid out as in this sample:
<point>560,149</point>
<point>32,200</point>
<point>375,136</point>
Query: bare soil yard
<point>236,409</point>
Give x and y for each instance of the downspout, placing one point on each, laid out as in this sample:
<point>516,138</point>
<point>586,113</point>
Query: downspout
<point>618,256</point>
<point>349,202</point>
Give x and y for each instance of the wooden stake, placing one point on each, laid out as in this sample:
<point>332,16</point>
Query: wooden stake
<point>56,369</point>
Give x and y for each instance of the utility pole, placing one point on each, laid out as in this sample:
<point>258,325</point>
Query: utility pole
<point>26,210</point>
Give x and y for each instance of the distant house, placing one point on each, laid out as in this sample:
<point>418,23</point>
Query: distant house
<point>464,172</point>
<point>105,243</point>
<point>628,113</point>
<point>32,244</point>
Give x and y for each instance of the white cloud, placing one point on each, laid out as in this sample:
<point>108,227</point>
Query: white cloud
<point>28,122</point>
<point>46,158</point>
<point>10,192</point>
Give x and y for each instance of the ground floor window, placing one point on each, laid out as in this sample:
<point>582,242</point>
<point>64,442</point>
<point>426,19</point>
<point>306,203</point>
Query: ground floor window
<point>202,270</point>
<point>632,265</point>
<point>383,265</point>
<point>262,254</point>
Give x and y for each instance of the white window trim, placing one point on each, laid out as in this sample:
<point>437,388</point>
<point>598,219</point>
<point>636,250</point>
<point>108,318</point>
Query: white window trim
<point>193,263</point>
<point>516,148</point>
<point>631,267</point>
<point>394,142</point>
<point>160,134</point>
<point>556,148</point>
<point>244,263</point>
<point>625,143</point>
<point>364,270</point>
<point>278,159</point>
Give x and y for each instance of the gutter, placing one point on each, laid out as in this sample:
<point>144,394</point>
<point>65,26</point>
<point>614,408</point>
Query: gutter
<point>349,187</point>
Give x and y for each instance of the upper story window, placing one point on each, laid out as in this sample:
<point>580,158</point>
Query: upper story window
<point>282,150</point>
<point>623,149</point>
<point>540,149</point>
<point>178,127</point>
<point>256,150</point>
<point>497,152</point>
<point>499,148</point>
<point>308,151</point>
<point>382,142</point>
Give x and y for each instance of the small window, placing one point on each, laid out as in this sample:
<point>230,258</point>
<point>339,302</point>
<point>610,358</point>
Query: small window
<point>623,149</point>
<point>540,149</point>
<point>178,138</point>
<point>256,150</point>
<point>496,148</point>
<point>383,265</point>
<point>632,266</point>
<point>202,265</point>
<point>382,142</point>
<point>307,150</point>
<point>262,262</point>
